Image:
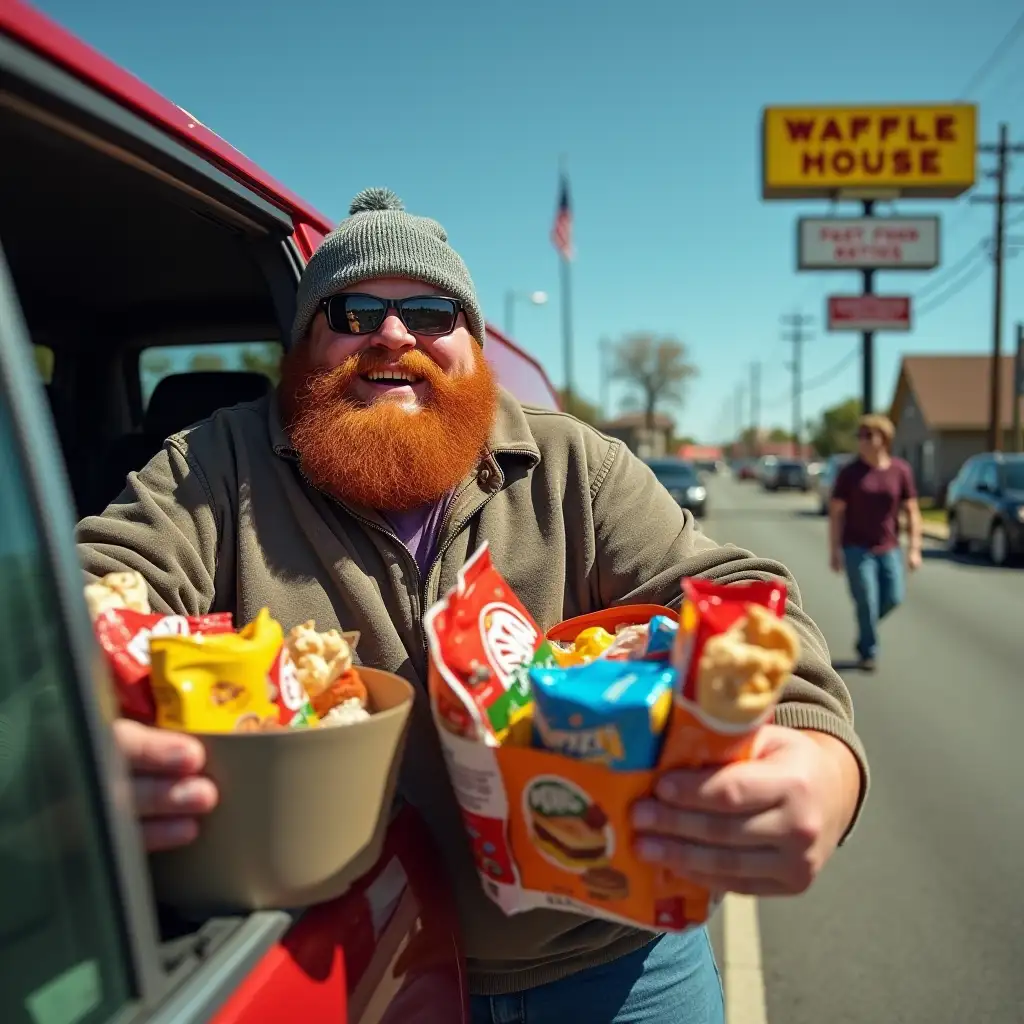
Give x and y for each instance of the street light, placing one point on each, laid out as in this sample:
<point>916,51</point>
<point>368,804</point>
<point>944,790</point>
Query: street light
<point>512,296</point>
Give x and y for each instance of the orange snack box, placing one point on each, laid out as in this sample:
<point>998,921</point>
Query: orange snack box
<point>552,831</point>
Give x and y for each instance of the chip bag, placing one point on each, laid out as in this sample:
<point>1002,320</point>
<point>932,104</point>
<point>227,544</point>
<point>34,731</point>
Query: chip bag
<point>218,683</point>
<point>124,637</point>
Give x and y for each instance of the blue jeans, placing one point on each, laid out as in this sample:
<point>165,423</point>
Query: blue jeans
<point>876,584</point>
<point>674,980</point>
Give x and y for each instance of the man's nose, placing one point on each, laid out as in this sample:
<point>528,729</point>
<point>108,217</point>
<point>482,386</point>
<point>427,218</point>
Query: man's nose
<point>393,334</point>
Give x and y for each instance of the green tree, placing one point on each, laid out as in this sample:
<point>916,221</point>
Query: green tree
<point>580,408</point>
<point>777,435</point>
<point>656,368</point>
<point>205,361</point>
<point>263,357</point>
<point>836,431</point>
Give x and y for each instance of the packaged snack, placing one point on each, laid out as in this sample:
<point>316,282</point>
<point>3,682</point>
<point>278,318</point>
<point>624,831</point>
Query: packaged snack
<point>661,636</point>
<point>325,668</point>
<point>217,683</point>
<point>124,637</point>
<point>482,638</point>
<point>629,644</point>
<point>117,590</point>
<point>606,712</point>
<point>592,643</point>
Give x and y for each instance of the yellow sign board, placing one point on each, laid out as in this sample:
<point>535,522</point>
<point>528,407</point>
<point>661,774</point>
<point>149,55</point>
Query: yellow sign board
<point>925,151</point>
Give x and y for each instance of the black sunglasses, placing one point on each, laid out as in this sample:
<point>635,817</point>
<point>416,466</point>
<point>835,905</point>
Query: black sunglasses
<point>355,313</point>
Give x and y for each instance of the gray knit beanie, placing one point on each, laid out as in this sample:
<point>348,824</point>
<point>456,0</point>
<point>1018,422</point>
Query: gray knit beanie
<point>379,239</point>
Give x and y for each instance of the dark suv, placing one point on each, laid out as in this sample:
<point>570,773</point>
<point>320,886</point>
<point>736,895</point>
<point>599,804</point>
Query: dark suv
<point>986,506</point>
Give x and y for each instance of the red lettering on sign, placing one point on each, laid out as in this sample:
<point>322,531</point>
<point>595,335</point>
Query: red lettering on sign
<point>887,126</point>
<point>843,161</point>
<point>831,131</point>
<point>902,162</point>
<point>873,166</point>
<point>812,161</point>
<point>944,129</point>
<point>858,126</point>
<point>930,161</point>
<point>799,130</point>
<point>915,133</point>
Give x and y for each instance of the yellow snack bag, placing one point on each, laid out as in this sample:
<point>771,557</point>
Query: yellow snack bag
<point>217,683</point>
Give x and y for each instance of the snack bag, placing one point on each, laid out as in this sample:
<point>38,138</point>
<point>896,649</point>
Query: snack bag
<point>734,653</point>
<point>605,712</point>
<point>217,683</point>
<point>324,667</point>
<point>124,637</point>
<point>481,640</point>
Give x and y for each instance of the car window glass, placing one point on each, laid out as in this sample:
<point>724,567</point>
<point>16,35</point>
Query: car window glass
<point>1013,476</point>
<point>62,957</point>
<point>253,356</point>
<point>989,478</point>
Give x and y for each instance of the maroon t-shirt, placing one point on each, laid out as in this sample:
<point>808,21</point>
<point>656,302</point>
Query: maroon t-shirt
<point>873,498</point>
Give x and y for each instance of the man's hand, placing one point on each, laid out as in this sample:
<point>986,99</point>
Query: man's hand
<point>836,560</point>
<point>765,827</point>
<point>913,559</point>
<point>168,790</point>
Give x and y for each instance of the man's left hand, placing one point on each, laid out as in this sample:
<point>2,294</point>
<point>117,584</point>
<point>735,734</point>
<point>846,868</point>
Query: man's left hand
<point>765,827</point>
<point>914,559</point>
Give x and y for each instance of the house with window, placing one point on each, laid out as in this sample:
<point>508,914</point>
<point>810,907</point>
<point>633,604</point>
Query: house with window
<point>941,412</point>
<point>632,429</point>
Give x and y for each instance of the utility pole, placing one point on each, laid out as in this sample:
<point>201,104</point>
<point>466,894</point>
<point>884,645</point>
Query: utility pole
<point>797,334</point>
<point>1002,150</point>
<point>1016,437</point>
<point>755,398</point>
<point>739,413</point>
<point>867,401</point>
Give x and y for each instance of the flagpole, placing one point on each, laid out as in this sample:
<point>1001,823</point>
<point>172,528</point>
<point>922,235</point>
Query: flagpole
<point>567,331</point>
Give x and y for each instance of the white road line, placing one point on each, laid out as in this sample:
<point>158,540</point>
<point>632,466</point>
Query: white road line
<point>742,973</point>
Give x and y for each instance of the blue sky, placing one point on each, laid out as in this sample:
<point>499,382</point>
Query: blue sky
<point>464,109</point>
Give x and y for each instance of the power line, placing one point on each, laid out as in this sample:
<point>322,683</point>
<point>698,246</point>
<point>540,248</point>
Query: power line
<point>1000,51</point>
<point>952,290</point>
<point>942,279</point>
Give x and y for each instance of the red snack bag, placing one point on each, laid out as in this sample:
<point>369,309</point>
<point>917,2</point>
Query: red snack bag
<point>711,609</point>
<point>481,641</point>
<point>124,637</point>
<point>295,710</point>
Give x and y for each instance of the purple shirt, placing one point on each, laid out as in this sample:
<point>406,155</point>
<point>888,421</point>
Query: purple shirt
<point>419,529</point>
<point>873,499</point>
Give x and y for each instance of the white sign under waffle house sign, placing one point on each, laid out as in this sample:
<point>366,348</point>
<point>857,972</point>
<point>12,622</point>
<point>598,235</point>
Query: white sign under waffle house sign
<point>867,243</point>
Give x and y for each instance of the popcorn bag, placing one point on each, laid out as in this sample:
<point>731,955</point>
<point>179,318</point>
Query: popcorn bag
<point>549,740</point>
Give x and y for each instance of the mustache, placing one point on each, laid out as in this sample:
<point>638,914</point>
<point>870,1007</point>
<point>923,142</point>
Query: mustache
<point>336,380</point>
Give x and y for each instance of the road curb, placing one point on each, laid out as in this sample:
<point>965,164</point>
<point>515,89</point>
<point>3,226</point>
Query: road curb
<point>742,969</point>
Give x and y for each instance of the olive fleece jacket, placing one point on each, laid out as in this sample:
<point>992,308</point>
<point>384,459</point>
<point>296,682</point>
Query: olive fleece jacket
<point>223,520</point>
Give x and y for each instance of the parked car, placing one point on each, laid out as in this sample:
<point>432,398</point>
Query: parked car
<point>985,506</point>
<point>763,466</point>
<point>786,474</point>
<point>683,483</point>
<point>709,466</point>
<point>744,469</point>
<point>826,479</point>
<point>152,275</point>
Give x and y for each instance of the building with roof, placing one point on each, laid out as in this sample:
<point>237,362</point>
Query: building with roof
<point>632,429</point>
<point>941,413</point>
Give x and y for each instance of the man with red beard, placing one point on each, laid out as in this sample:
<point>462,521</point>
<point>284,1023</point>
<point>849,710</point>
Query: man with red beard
<point>354,497</point>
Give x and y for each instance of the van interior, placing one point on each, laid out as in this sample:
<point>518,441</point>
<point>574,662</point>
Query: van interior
<point>143,275</point>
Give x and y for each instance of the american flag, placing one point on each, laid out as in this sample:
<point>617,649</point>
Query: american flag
<point>561,231</point>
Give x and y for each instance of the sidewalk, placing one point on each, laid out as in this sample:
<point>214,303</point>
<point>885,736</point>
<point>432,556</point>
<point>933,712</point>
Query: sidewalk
<point>934,530</point>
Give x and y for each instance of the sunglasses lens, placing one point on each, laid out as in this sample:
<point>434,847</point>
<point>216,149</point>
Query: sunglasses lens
<point>355,314</point>
<point>429,314</point>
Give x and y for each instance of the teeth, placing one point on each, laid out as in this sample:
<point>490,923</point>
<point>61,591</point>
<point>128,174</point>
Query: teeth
<point>392,375</point>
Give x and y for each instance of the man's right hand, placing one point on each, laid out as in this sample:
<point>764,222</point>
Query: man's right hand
<point>169,792</point>
<point>836,561</point>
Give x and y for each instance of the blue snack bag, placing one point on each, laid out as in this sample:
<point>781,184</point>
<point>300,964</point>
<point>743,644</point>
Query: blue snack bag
<point>608,712</point>
<point>661,635</point>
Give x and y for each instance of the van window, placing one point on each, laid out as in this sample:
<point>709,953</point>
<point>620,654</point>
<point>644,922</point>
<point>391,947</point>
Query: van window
<point>62,954</point>
<point>159,362</point>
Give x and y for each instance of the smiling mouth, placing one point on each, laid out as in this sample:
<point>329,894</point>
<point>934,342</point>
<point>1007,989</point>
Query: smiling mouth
<point>391,378</point>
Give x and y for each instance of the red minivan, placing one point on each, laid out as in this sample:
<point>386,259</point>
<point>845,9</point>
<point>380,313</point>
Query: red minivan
<point>147,276</point>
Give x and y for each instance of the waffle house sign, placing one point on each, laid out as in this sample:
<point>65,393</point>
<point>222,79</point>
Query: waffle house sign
<point>821,152</point>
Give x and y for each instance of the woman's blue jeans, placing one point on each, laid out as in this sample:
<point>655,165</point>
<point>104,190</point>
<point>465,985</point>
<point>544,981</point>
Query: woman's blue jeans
<point>877,586</point>
<point>674,980</point>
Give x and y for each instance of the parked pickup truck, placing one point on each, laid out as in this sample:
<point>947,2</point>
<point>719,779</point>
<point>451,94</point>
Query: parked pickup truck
<point>147,277</point>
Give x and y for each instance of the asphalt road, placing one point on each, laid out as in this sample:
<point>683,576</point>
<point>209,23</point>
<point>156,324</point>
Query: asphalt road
<point>920,917</point>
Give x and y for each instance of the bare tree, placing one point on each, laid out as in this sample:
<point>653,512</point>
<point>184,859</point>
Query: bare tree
<point>656,367</point>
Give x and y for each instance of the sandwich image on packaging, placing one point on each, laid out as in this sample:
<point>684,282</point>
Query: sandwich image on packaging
<point>568,828</point>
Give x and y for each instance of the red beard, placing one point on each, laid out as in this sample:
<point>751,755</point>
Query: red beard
<point>383,456</point>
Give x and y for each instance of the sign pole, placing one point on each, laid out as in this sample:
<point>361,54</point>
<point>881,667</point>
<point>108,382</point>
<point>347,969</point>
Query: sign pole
<point>1016,437</point>
<point>867,400</point>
